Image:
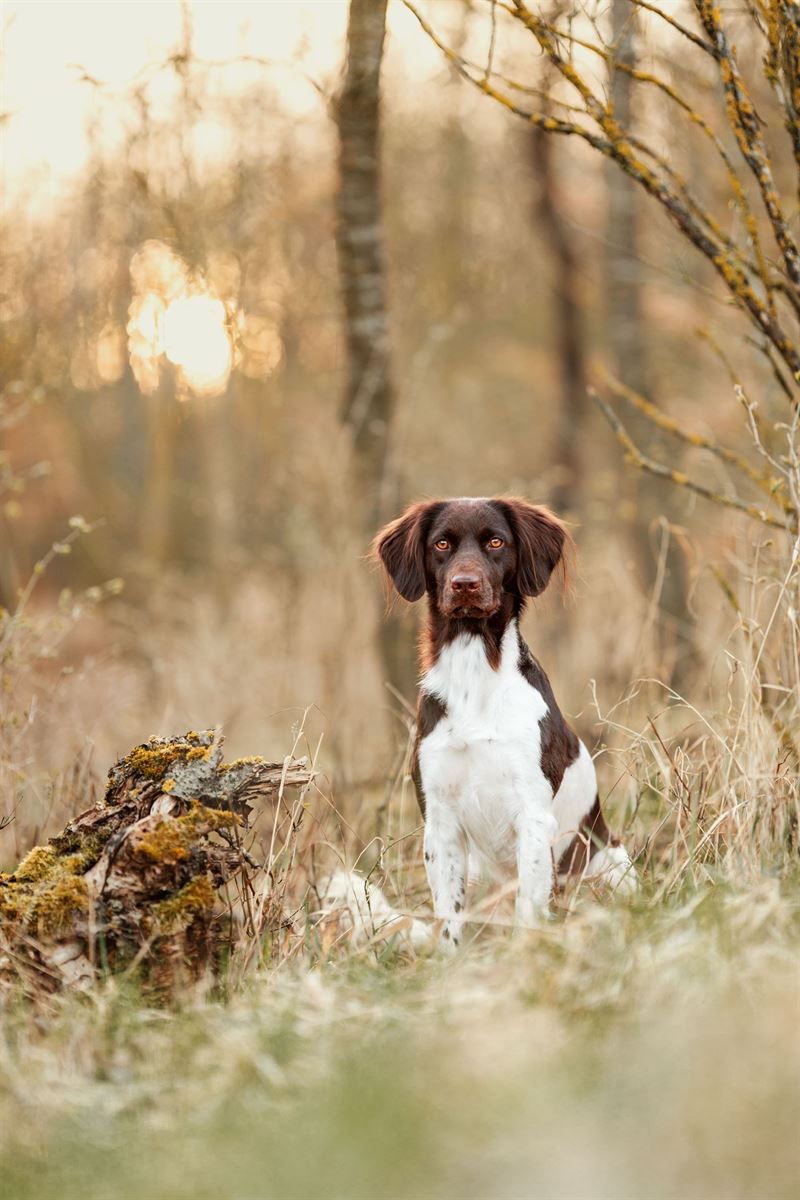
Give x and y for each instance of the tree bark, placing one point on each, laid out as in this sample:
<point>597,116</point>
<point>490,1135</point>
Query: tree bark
<point>627,336</point>
<point>569,332</point>
<point>626,329</point>
<point>369,395</point>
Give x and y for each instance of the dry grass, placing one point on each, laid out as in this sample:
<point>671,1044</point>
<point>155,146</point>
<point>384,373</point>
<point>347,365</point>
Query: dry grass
<point>645,1050</point>
<point>628,1049</point>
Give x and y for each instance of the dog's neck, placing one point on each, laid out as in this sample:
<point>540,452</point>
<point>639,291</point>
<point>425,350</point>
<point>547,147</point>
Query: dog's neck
<point>439,630</point>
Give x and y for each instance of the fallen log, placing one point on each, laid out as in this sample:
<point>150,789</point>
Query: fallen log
<point>133,883</point>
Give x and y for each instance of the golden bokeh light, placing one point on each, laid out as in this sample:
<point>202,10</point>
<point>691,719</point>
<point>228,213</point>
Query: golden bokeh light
<point>195,339</point>
<point>175,316</point>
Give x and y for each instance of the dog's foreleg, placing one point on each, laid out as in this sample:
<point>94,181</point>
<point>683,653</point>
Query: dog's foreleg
<point>534,866</point>
<point>446,867</point>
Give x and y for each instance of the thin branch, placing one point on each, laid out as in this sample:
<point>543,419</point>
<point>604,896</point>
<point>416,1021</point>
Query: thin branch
<point>635,457</point>
<point>492,40</point>
<point>700,441</point>
<point>745,124</point>
<point>615,143</point>
<point>781,21</point>
<point>687,33</point>
<point>551,124</point>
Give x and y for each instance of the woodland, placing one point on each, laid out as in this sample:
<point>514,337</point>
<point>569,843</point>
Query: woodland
<point>315,261</point>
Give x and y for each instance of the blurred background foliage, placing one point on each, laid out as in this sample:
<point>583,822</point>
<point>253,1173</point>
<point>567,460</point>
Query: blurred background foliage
<point>172,342</point>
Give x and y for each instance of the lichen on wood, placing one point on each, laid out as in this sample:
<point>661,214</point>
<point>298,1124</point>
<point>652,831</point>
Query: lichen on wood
<point>133,881</point>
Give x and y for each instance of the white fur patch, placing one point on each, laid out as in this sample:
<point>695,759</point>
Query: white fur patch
<point>363,908</point>
<point>482,760</point>
<point>574,799</point>
<point>612,866</point>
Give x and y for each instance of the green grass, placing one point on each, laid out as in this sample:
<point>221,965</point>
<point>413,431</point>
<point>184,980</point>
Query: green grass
<point>632,1051</point>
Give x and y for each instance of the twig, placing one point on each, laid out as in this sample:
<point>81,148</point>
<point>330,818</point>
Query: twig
<point>699,440</point>
<point>644,463</point>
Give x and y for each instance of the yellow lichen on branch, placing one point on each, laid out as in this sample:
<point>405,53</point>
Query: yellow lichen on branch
<point>772,486</point>
<point>636,458</point>
<point>743,267</point>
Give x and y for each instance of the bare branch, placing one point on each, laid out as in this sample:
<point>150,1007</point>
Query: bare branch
<point>746,126</point>
<point>681,29</point>
<point>637,459</point>
<point>684,210</point>
<point>768,484</point>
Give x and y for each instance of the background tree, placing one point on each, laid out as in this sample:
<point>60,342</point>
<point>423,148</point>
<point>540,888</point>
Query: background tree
<point>369,393</point>
<point>658,556</point>
<point>568,324</point>
<point>755,256</point>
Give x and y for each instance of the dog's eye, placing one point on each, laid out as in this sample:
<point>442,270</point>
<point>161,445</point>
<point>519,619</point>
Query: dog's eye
<point>495,543</point>
<point>442,544</point>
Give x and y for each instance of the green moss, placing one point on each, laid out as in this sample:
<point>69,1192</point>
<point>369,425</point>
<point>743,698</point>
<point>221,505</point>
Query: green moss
<point>47,889</point>
<point>172,839</point>
<point>38,864</point>
<point>254,760</point>
<point>167,843</point>
<point>196,898</point>
<point>88,845</point>
<point>54,908</point>
<point>153,759</point>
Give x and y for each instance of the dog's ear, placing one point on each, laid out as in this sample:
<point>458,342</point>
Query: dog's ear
<point>400,548</point>
<point>542,544</point>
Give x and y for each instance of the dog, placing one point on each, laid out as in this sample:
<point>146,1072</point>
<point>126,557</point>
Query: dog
<point>503,783</point>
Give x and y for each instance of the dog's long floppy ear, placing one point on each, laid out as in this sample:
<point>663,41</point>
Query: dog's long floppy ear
<point>542,544</point>
<point>400,547</point>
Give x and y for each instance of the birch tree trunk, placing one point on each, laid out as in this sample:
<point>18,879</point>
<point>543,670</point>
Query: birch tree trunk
<point>369,395</point>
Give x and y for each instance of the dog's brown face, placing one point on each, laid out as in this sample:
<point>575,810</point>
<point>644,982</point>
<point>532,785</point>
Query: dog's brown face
<point>467,554</point>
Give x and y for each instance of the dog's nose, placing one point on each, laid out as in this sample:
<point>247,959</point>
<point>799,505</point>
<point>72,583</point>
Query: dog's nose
<point>465,584</point>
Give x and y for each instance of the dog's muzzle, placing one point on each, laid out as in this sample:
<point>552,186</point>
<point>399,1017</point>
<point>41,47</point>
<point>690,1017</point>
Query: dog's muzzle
<point>468,596</point>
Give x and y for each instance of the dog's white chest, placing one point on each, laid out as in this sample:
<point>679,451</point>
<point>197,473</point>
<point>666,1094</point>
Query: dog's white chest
<point>482,760</point>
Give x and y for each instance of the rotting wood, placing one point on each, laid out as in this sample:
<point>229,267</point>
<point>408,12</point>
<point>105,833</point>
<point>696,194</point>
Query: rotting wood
<point>132,883</point>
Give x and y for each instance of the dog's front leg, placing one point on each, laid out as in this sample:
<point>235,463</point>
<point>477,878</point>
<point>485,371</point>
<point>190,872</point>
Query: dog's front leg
<point>446,868</point>
<point>534,865</point>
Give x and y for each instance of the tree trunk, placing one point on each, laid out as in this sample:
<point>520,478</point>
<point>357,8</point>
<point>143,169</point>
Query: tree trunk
<point>156,523</point>
<point>626,328</point>
<point>627,336</point>
<point>369,396</point>
<point>569,325</point>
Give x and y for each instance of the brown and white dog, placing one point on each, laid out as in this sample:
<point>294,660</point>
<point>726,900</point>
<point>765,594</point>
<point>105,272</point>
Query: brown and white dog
<point>503,783</point>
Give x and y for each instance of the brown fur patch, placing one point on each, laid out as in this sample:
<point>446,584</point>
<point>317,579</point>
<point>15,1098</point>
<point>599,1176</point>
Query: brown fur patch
<point>430,711</point>
<point>593,835</point>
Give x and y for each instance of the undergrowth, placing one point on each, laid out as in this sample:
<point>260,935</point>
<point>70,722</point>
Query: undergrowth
<point>635,1050</point>
<point>628,1049</point>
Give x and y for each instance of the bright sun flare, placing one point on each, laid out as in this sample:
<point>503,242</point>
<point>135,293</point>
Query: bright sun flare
<point>175,316</point>
<point>195,338</point>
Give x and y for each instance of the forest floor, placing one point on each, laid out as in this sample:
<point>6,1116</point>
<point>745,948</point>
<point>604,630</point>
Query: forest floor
<point>638,1049</point>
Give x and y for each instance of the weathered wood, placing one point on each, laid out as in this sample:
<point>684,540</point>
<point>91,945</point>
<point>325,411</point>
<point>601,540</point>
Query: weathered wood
<point>133,881</point>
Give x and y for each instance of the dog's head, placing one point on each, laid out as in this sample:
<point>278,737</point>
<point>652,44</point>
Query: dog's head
<point>466,554</point>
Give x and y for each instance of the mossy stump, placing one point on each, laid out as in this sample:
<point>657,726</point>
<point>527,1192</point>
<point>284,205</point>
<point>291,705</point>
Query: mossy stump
<point>133,882</point>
